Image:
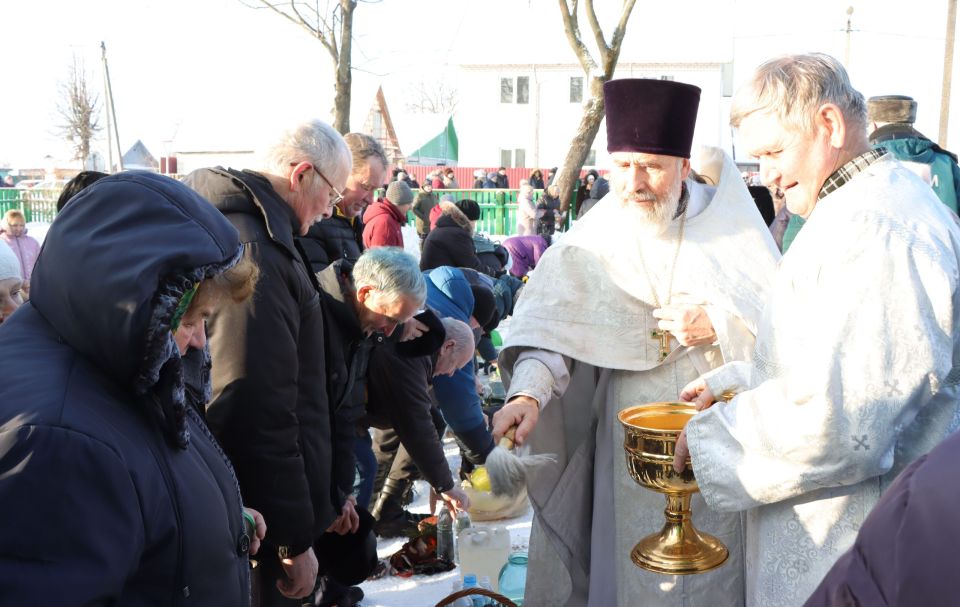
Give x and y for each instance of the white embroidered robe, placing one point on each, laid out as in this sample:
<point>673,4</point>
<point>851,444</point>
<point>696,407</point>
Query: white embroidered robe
<point>855,375</point>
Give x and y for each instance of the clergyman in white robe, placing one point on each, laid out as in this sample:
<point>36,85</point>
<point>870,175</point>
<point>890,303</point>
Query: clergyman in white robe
<point>579,342</point>
<point>855,375</point>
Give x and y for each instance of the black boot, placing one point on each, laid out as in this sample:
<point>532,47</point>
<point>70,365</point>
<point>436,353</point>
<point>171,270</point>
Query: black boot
<point>331,593</point>
<point>392,519</point>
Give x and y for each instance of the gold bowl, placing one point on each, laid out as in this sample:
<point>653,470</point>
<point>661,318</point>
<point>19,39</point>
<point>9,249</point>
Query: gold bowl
<point>650,435</point>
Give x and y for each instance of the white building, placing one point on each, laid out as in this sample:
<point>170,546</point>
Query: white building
<point>525,115</point>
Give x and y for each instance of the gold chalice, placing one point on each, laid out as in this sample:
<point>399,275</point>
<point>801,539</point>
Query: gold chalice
<point>651,432</point>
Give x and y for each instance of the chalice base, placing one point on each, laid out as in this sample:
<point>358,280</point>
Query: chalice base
<point>679,549</point>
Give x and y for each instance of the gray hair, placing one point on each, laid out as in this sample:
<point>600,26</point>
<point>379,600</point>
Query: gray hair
<point>793,87</point>
<point>364,148</point>
<point>393,272</point>
<point>315,142</point>
<point>460,332</point>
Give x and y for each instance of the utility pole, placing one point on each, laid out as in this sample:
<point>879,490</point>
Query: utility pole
<point>849,30</point>
<point>947,71</point>
<point>106,86</point>
<point>111,111</point>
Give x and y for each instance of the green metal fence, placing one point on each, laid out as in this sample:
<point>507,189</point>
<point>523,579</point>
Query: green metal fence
<point>37,205</point>
<point>498,208</point>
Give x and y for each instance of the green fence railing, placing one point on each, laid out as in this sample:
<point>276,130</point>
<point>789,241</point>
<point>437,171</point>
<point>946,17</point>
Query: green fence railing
<point>37,205</point>
<point>498,208</point>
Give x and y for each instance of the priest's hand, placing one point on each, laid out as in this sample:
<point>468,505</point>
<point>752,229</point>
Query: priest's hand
<point>689,323</point>
<point>521,411</point>
<point>698,393</point>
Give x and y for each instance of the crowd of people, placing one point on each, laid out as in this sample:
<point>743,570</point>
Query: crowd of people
<point>231,383</point>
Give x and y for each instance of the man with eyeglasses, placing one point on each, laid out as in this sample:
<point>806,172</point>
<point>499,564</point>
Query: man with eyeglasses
<point>269,408</point>
<point>341,236</point>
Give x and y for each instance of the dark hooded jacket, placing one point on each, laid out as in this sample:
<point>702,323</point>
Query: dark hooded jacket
<point>331,239</point>
<point>449,295</point>
<point>450,243</point>
<point>269,407</point>
<point>113,490</point>
<point>348,353</point>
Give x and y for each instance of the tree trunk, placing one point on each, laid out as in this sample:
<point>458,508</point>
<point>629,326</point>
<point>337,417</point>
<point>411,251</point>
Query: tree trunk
<point>580,146</point>
<point>593,109</point>
<point>344,77</point>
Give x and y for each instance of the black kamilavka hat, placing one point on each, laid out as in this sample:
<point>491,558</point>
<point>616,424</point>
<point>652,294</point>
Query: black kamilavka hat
<point>650,116</point>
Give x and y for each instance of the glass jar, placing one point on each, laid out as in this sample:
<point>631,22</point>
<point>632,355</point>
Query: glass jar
<point>513,577</point>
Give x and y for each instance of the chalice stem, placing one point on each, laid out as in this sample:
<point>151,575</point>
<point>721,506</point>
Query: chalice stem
<point>678,527</point>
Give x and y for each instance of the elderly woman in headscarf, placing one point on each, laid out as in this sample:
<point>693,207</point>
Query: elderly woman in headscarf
<point>113,489</point>
<point>11,283</point>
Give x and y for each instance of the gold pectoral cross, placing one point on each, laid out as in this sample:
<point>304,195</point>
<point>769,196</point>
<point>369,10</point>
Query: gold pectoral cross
<point>664,337</point>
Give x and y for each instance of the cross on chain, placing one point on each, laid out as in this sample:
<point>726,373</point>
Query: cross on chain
<point>664,337</point>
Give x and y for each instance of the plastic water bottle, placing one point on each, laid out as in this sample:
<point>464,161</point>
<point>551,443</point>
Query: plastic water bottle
<point>463,522</point>
<point>462,601</point>
<point>446,547</point>
<point>486,585</point>
<point>470,581</point>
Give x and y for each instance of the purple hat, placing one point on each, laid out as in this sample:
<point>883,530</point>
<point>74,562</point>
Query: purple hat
<point>650,116</point>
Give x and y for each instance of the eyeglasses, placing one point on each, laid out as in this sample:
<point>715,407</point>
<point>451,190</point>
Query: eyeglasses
<point>338,195</point>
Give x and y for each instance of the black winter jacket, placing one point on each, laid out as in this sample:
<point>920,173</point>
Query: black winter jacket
<point>399,398</point>
<point>269,407</point>
<point>347,355</point>
<point>332,239</point>
<point>113,491</point>
<point>450,243</point>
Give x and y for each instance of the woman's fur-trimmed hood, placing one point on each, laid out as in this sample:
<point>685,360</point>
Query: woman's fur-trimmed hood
<point>114,267</point>
<point>450,210</point>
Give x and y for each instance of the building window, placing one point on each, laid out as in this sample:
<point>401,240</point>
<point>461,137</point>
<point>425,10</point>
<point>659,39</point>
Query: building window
<point>523,89</point>
<point>519,158</point>
<point>591,159</point>
<point>506,158</point>
<point>506,90</point>
<point>576,89</point>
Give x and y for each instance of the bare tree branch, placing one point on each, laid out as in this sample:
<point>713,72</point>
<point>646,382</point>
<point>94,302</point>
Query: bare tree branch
<point>610,61</point>
<point>79,110</point>
<point>325,28</point>
<point>593,106</point>
<point>431,97</point>
<point>572,29</point>
<point>597,31</point>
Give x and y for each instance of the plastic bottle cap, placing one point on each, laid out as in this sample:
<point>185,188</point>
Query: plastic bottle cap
<point>470,579</point>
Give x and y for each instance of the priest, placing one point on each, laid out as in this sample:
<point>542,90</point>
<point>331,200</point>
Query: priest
<point>663,281</point>
<point>858,352</point>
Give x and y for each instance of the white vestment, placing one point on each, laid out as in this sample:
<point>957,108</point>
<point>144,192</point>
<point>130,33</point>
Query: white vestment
<point>855,375</point>
<point>579,342</point>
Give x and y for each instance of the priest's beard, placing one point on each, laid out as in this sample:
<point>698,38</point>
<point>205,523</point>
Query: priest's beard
<point>646,220</point>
